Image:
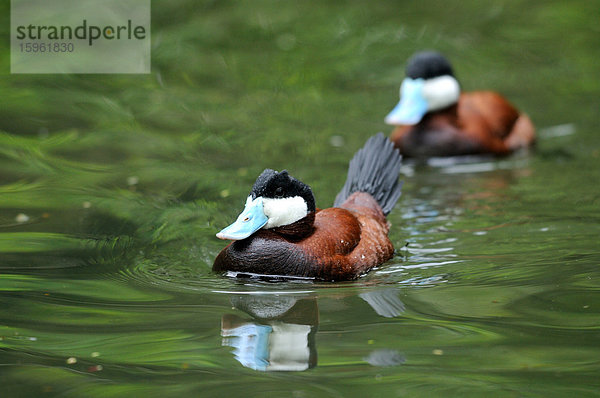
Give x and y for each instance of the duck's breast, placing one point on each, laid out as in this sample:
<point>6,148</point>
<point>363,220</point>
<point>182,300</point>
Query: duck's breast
<point>265,252</point>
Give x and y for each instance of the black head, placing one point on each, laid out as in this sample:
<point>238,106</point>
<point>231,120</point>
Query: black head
<point>272,184</point>
<point>427,65</point>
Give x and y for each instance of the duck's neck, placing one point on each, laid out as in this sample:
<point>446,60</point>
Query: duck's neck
<point>297,230</point>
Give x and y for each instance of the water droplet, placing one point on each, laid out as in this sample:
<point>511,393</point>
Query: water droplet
<point>21,218</point>
<point>337,141</point>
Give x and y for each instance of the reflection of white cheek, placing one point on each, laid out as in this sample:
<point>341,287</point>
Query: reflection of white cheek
<point>289,349</point>
<point>284,211</point>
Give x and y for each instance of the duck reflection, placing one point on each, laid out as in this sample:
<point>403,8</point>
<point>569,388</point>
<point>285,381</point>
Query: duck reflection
<point>281,335</point>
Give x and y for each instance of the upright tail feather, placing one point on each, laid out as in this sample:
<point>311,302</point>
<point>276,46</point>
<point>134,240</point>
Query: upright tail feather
<point>374,169</point>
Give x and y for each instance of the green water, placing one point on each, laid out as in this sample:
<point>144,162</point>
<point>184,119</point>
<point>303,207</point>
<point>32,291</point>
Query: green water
<point>112,188</point>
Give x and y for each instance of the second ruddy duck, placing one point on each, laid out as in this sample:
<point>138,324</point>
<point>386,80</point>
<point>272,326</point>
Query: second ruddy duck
<point>282,233</point>
<point>433,117</point>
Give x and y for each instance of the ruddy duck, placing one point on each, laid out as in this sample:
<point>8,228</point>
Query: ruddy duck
<point>281,232</point>
<point>433,118</point>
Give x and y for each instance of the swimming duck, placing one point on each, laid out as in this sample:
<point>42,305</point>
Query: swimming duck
<point>281,232</point>
<point>433,118</point>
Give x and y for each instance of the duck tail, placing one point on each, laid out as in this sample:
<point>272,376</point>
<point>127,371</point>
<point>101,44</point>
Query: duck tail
<point>374,169</point>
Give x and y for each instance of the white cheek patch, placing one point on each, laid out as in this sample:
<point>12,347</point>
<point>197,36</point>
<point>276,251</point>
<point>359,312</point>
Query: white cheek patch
<point>284,211</point>
<point>441,92</point>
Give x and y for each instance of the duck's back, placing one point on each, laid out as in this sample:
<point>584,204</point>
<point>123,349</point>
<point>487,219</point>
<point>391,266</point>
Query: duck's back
<point>351,239</point>
<point>486,114</point>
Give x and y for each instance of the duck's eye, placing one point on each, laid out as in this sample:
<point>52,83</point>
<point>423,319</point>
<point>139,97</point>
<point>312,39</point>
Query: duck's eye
<point>246,219</point>
<point>279,192</point>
